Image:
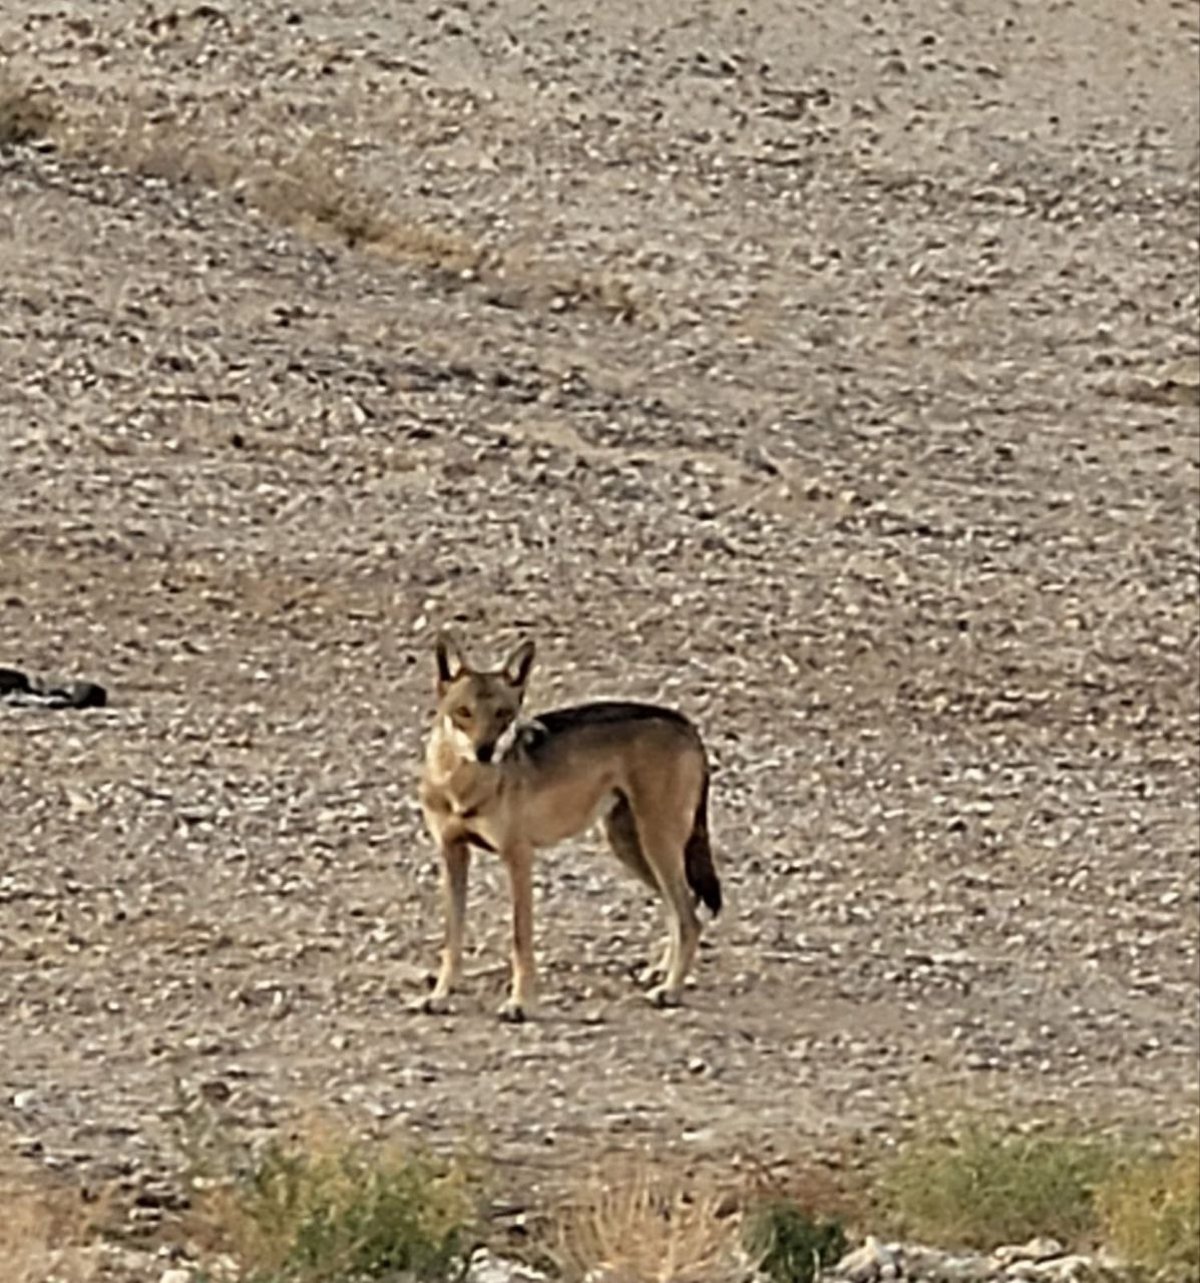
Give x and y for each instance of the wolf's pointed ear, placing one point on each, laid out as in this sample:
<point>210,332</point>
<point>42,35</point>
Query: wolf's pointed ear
<point>518,664</point>
<point>450,659</point>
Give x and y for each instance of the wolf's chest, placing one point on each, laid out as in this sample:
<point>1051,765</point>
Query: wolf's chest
<point>464,807</point>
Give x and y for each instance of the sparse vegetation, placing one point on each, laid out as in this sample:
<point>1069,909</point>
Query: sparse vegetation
<point>1150,1213</point>
<point>986,1186</point>
<point>307,184</point>
<point>325,1208</point>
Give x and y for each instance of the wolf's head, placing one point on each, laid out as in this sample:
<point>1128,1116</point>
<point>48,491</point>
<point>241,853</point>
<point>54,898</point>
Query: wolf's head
<point>478,708</point>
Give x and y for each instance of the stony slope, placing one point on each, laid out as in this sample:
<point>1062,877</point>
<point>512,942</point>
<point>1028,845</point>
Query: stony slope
<point>829,375</point>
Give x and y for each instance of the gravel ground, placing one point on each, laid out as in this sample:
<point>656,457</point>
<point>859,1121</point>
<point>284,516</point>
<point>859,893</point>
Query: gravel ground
<point>829,372</point>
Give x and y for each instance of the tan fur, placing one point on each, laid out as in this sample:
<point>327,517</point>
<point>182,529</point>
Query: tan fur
<point>642,770</point>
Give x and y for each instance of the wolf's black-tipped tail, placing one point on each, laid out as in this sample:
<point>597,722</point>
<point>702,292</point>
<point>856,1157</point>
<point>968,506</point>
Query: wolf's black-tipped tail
<point>697,857</point>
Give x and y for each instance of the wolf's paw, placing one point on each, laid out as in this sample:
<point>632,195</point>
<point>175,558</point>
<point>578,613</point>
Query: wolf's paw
<point>661,996</point>
<point>650,976</point>
<point>432,1004</point>
<point>513,1012</point>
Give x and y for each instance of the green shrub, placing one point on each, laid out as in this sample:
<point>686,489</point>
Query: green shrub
<point>789,1245</point>
<point>987,1187</point>
<point>326,1210</point>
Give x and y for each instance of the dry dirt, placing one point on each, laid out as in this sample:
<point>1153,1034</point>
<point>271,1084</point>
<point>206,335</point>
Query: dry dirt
<point>825,370</point>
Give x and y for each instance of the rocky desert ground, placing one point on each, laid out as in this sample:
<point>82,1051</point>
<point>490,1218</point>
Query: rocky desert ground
<point>829,372</point>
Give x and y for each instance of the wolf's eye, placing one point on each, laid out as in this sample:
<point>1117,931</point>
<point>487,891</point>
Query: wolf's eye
<point>504,718</point>
<point>463,713</point>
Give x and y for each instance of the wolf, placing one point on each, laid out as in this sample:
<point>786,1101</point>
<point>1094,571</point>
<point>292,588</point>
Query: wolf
<point>491,782</point>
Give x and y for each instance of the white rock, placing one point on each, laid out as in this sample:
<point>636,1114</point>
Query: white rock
<point>486,1268</point>
<point>865,1264</point>
<point>1036,1249</point>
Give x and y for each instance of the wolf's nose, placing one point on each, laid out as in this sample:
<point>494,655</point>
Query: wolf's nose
<point>484,752</point>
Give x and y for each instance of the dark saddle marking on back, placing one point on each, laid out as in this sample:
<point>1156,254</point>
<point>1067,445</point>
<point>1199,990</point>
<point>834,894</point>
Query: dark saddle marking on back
<point>536,734</point>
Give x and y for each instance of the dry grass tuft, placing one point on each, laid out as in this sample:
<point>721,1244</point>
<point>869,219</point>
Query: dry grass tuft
<point>635,1223</point>
<point>1150,1213</point>
<point>47,1232</point>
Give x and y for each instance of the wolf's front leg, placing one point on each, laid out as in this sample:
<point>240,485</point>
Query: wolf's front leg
<point>518,859</point>
<point>456,862</point>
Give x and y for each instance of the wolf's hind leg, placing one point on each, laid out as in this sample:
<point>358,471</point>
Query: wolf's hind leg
<point>662,841</point>
<point>621,830</point>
